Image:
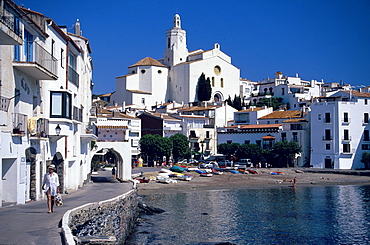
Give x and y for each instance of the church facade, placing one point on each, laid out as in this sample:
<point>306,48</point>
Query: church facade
<point>175,77</point>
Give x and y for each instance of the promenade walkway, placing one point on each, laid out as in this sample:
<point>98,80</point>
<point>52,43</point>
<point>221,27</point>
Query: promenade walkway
<point>31,224</point>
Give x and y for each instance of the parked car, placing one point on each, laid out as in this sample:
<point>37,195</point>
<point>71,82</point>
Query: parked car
<point>225,163</point>
<point>244,163</point>
<point>189,161</point>
<point>209,164</point>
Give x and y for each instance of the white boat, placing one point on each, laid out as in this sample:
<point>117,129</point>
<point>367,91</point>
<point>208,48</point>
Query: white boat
<point>166,181</point>
<point>184,177</point>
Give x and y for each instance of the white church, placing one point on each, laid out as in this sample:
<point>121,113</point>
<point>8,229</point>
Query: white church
<point>175,77</point>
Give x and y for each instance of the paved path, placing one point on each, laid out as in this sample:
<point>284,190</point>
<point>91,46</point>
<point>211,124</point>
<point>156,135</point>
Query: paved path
<point>31,224</point>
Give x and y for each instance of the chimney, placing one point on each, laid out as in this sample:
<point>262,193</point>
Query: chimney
<point>78,28</point>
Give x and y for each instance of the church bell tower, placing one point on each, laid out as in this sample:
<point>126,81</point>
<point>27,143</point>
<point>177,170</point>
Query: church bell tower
<point>176,51</point>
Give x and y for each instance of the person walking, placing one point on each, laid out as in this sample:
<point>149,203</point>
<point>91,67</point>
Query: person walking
<point>113,172</point>
<point>50,185</point>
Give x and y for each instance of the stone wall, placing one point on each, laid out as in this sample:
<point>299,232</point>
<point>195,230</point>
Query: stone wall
<point>107,222</point>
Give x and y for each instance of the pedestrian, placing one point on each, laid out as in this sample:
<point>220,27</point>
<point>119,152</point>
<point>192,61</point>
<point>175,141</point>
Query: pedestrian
<point>50,185</point>
<point>113,172</point>
<point>294,182</point>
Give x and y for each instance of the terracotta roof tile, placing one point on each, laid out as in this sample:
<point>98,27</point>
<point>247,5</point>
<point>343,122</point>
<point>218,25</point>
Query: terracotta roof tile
<point>359,94</point>
<point>148,61</point>
<point>282,114</point>
<point>138,92</point>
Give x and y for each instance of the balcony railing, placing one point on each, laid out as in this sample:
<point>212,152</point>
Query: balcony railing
<point>19,124</point>
<point>45,59</point>
<point>4,103</point>
<point>73,76</point>
<point>349,138</point>
<point>10,22</point>
<point>324,138</point>
<point>77,114</point>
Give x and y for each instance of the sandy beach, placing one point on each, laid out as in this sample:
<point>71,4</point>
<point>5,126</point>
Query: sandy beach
<point>264,179</point>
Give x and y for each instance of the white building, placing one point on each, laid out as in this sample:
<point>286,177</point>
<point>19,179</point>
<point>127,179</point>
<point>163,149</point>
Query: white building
<point>340,130</point>
<point>271,128</point>
<point>200,124</point>
<point>175,77</point>
<point>36,99</point>
<point>119,134</point>
<point>295,92</point>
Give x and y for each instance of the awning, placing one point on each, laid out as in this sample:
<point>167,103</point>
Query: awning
<point>268,137</point>
<point>112,127</point>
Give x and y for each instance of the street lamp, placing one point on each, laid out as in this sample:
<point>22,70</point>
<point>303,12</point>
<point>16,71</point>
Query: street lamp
<point>57,130</point>
<point>202,145</point>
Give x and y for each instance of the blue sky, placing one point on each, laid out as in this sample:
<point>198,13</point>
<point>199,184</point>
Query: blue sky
<point>317,39</point>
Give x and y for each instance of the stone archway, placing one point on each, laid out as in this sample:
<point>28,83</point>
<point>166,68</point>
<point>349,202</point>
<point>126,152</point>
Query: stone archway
<point>31,159</point>
<point>58,161</point>
<point>217,97</point>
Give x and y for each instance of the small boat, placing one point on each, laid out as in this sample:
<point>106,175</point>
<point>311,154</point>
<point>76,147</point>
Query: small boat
<point>206,174</point>
<point>166,181</point>
<point>143,180</point>
<point>200,171</point>
<point>252,171</point>
<point>185,177</point>
<point>299,171</point>
<point>216,172</point>
<point>234,171</point>
<point>276,173</point>
<point>177,169</point>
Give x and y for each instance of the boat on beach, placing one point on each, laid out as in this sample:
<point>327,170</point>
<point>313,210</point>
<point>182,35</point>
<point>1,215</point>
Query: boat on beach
<point>252,171</point>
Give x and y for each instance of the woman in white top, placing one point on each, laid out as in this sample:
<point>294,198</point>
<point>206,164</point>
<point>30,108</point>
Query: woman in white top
<point>50,185</point>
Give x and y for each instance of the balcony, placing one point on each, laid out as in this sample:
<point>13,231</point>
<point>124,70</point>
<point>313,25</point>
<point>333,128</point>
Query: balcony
<point>346,121</point>
<point>38,127</point>
<point>19,124</point>
<point>40,65</point>
<point>326,138</point>
<point>4,103</point>
<point>73,76</point>
<point>10,31</point>
<point>346,139</point>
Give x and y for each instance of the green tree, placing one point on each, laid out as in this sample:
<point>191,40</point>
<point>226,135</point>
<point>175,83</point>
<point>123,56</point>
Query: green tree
<point>251,151</point>
<point>155,147</point>
<point>237,102</point>
<point>228,149</point>
<point>365,159</point>
<point>204,89</point>
<point>180,146</point>
<point>284,152</point>
<point>274,102</point>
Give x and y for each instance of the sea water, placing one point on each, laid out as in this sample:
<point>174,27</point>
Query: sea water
<point>305,215</point>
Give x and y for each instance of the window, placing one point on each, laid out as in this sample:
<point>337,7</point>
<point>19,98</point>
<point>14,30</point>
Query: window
<point>17,56</point>
<point>229,141</point>
<point>61,57</point>
<point>267,144</point>
<point>366,117</point>
<point>222,82</point>
<point>213,81</point>
<point>159,71</point>
<point>282,91</point>
<point>258,142</point>
<point>28,46</point>
<point>346,148</point>
<point>283,137</point>
<point>143,101</point>
<point>247,142</point>
<point>207,135</point>
<point>345,117</point>
<point>295,127</point>
<point>365,147</point>
<point>327,134</point>
<point>327,146</point>
<point>319,117</point>
<point>365,101</point>
<point>143,71</point>
<point>60,105</point>
<point>346,134</point>
<point>52,47</point>
<point>217,70</point>
<point>295,136</point>
<point>366,135</point>
<point>327,117</point>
